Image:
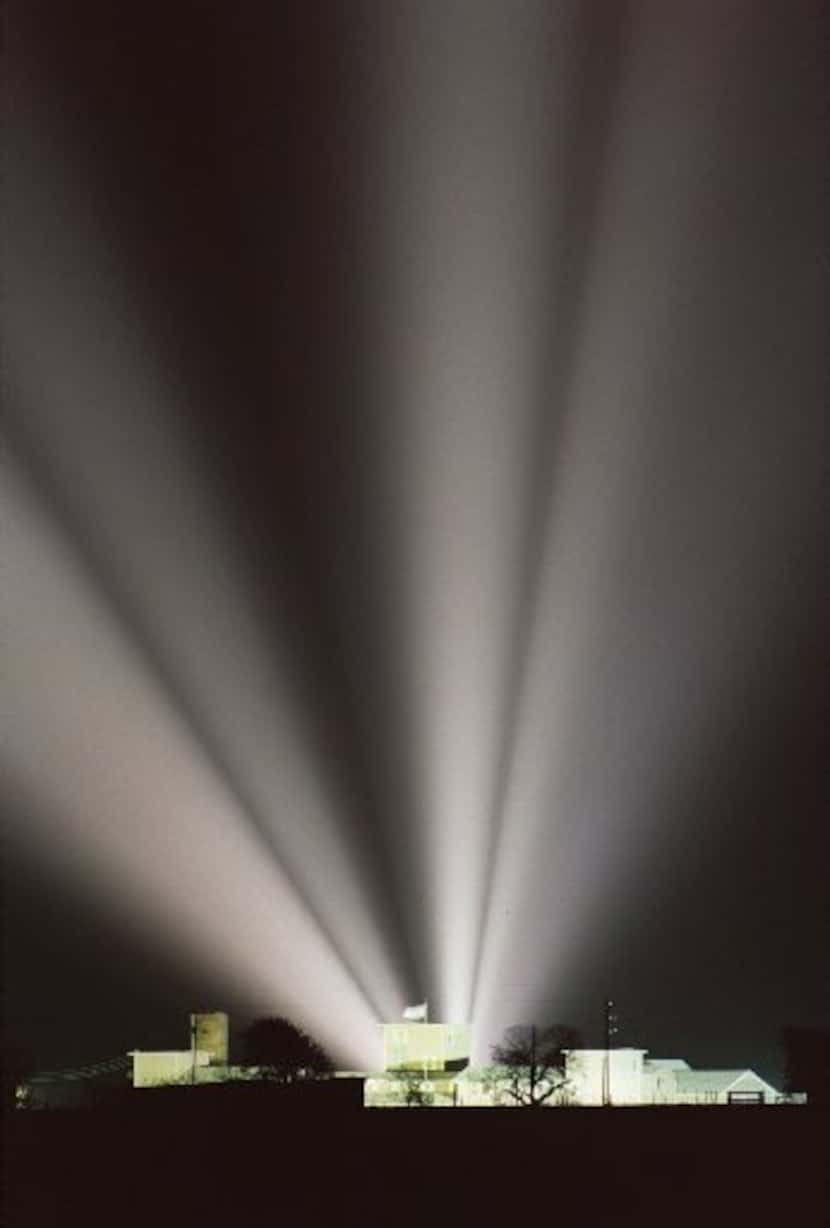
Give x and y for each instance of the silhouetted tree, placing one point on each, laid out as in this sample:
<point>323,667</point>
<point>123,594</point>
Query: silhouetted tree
<point>285,1050</point>
<point>416,1094</point>
<point>807,1062</point>
<point>532,1062</point>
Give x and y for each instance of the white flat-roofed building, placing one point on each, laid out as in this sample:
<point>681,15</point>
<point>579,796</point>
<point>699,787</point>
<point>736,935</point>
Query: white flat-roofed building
<point>593,1077</point>
<point>659,1081</point>
<point>428,1064</point>
<point>173,1066</point>
<point>600,1076</point>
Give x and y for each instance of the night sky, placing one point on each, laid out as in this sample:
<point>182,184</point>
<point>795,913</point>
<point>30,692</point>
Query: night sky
<point>414,520</point>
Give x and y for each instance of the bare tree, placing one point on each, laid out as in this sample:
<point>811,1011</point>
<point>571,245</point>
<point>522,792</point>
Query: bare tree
<point>531,1062</point>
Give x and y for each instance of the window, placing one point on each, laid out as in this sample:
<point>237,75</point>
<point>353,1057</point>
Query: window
<point>745,1097</point>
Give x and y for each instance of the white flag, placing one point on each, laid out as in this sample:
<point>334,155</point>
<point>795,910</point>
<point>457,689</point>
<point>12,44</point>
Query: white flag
<point>416,1012</point>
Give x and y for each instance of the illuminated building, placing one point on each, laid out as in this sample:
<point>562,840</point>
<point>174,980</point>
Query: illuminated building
<point>418,1069</point>
<point>421,1063</point>
<point>424,1064</point>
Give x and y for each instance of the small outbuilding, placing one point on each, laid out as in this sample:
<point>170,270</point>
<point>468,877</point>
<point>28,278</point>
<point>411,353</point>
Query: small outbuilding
<point>723,1087</point>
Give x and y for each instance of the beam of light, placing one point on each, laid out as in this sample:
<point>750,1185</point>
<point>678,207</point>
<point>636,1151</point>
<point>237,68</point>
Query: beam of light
<point>535,732</point>
<point>460,278</point>
<point>116,793</point>
<point>588,524</point>
<point>100,419</point>
<point>661,562</point>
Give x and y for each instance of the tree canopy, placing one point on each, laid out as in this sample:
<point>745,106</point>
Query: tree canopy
<point>285,1050</point>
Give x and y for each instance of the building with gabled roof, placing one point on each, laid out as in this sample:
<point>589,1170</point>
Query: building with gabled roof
<point>416,1071</point>
<point>424,1063</point>
<point>722,1087</point>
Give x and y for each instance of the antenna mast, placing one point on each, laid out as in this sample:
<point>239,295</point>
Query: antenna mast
<point>610,1021</point>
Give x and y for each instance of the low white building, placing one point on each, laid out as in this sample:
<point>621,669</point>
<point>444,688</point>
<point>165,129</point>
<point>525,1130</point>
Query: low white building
<point>206,1061</point>
<point>723,1087</point>
<point>659,1079</point>
<point>182,1067</point>
<point>162,1068</point>
<point>604,1076</point>
<point>427,1064</point>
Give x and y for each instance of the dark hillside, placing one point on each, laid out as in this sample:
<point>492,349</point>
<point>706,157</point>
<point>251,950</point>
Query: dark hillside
<point>249,1159</point>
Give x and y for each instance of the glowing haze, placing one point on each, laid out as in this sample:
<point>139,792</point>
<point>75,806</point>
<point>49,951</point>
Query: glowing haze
<point>412,457</point>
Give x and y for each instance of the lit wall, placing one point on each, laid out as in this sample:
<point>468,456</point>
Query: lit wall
<point>425,1046</point>
<point>590,1071</point>
<point>158,1069</point>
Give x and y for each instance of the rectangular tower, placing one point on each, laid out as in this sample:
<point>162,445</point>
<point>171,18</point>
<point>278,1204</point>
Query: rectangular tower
<point>209,1034</point>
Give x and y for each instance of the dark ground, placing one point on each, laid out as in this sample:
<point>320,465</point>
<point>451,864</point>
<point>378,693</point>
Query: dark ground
<point>251,1160</point>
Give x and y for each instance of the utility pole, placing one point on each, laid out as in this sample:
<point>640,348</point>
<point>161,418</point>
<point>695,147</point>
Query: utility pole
<point>610,1022</point>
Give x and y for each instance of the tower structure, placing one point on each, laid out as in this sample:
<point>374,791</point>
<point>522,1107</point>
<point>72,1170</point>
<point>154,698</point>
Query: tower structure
<point>209,1034</point>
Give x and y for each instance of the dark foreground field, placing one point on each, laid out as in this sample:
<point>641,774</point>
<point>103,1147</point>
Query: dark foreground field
<point>194,1159</point>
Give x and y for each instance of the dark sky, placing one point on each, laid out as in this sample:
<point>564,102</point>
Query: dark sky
<point>414,493</point>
